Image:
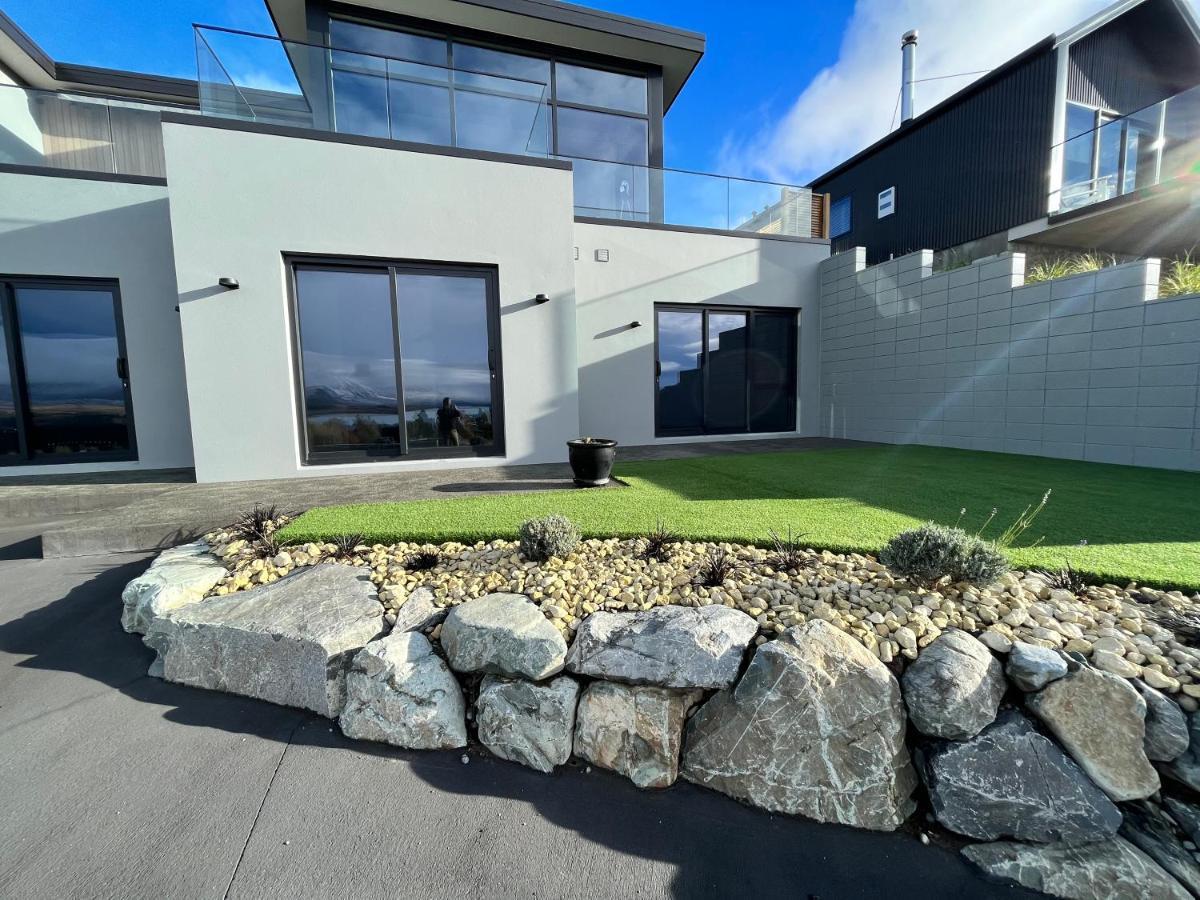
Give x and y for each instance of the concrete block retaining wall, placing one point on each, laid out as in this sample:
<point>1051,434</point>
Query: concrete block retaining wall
<point>1092,366</point>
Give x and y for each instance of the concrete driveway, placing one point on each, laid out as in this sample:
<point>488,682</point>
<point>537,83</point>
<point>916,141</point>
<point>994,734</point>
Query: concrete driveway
<point>115,784</point>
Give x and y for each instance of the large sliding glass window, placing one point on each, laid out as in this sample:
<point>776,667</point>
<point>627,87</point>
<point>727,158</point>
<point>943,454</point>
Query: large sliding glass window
<point>397,360</point>
<point>724,370</point>
<point>64,388</point>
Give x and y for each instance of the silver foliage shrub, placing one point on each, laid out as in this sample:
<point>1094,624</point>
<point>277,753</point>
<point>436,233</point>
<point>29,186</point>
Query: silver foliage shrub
<point>933,551</point>
<point>552,535</point>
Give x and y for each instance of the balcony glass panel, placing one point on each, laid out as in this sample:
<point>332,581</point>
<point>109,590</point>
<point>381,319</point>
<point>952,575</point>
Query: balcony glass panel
<point>473,64</point>
<point>593,87</point>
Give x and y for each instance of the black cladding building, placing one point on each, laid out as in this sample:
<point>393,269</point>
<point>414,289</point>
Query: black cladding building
<point>1089,139</point>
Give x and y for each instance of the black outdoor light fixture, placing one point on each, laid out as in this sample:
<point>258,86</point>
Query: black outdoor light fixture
<point>230,284</point>
<point>541,298</point>
<point>635,324</point>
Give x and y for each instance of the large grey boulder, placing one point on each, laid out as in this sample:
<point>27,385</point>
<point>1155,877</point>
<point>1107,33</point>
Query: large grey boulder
<point>668,646</point>
<point>1186,767</point>
<point>954,687</point>
<point>1101,721</point>
<point>288,642</point>
<point>1107,870</point>
<point>531,724</point>
<point>503,634</point>
<point>1011,781</point>
<point>633,729</point>
<point>1031,667</point>
<point>418,612</point>
<point>400,692</point>
<point>1186,816</point>
<point>178,577</point>
<point>815,727</point>
<point>1149,828</point>
<point>1166,725</point>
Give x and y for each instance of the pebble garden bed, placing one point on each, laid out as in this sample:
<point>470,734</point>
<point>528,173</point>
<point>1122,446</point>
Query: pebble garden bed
<point>1054,732</point>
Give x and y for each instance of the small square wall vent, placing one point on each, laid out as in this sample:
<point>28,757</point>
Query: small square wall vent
<point>577,253</point>
<point>601,256</point>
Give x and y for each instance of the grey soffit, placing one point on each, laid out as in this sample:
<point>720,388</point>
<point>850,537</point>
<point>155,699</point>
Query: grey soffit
<point>83,174</point>
<point>1042,46</point>
<point>694,229</point>
<point>173,118</point>
<point>61,75</point>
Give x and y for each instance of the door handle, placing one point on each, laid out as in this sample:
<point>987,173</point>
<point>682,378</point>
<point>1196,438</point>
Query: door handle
<point>122,368</point>
<point>657,369</point>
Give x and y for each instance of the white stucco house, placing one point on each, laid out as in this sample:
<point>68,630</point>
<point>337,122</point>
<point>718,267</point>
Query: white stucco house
<point>395,234</point>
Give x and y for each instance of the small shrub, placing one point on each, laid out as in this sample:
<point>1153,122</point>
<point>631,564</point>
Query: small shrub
<point>257,523</point>
<point>657,544</point>
<point>422,560</point>
<point>1064,578</point>
<point>1066,266</point>
<point>345,544</point>
<point>789,553</point>
<point>932,552</point>
<point>1181,277</point>
<point>552,535</point>
<point>718,566</point>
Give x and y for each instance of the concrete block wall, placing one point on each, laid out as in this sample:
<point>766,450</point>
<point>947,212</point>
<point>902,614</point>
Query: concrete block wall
<point>1091,367</point>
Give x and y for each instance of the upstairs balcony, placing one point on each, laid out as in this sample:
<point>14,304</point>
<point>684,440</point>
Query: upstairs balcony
<point>1107,157</point>
<point>487,104</point>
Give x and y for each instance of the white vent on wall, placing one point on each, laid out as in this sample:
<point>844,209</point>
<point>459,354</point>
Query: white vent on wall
<point>601,256</point>
<point>887,202</point>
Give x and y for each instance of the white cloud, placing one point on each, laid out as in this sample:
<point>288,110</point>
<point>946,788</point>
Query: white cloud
<point>852,103</point>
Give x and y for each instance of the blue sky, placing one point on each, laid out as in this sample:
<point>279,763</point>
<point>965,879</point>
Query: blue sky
<point>784,92</point>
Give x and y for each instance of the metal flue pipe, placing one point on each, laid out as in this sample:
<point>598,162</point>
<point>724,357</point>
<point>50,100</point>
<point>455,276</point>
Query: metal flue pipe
<point>908,49</point>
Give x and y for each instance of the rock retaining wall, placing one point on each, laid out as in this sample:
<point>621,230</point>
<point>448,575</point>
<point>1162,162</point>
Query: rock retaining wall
<point>1032,749</point>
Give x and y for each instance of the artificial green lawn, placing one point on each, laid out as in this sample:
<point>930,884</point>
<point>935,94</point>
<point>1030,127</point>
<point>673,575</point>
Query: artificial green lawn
<point>1140,524</point>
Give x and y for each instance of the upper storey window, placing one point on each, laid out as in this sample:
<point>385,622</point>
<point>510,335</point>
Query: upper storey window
<point>431,89</point>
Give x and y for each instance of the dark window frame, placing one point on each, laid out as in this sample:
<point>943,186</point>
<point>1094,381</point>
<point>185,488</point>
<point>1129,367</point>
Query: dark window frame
<point>751,313</point>
<point>451,34</point>
<point>10,321</point>
<point>352,454</point>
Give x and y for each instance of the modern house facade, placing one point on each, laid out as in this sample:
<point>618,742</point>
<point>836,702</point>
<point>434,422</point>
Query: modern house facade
<point>1087,140</point>
<point>394,235</point>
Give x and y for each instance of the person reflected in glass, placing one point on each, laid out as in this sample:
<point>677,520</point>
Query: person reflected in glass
<point>449,423</point>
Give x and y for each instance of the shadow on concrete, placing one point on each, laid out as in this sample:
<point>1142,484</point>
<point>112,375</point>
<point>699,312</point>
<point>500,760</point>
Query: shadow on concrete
<point>500,487</point>
<point>23,548</point>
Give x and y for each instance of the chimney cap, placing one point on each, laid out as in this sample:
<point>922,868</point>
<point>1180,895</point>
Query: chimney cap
<point>909,37</point>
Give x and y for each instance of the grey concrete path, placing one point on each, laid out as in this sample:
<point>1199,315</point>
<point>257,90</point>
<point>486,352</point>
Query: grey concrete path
<point>107,515</point>
<point>115,784</point>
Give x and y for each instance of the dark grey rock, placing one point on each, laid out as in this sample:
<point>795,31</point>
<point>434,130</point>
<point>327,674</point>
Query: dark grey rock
<point>1107,870</point>
<point>1153,832</point>
<point>531,724</point>
<point>1011,781</point>
<point>668,646</point>
<point>1031,667</point>
<point>815,727</point>
<point>503,634</point>
<point>289,642</point>
<point>1186,816</point>
<point>953,689</point>
<point>1186,767</point>
<point>1166,725</point>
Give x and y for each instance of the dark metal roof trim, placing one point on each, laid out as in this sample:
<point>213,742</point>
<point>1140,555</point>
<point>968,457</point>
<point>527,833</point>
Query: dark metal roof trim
<point>693,229</point>
<point>83,174</point>
<point>290,131</point>
<point>945,106</point>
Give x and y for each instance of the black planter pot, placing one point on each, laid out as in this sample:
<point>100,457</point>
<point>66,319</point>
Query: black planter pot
<point>592,461</point>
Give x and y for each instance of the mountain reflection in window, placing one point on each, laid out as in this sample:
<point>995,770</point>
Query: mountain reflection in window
<point>348,359</point>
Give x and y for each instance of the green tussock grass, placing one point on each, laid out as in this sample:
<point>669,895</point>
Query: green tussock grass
<point>1140,524</point>
<point>1180,276</point>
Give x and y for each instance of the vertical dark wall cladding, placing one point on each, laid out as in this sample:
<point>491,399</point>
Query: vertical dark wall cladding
<point>977,168</point>
<point>1143,57</point>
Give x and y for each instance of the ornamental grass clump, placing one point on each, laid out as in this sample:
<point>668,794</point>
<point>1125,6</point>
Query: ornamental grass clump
<point>718,566</point>
<point>549,536</point>
<point>1181,276</point>
<point>656,544</point>
<point>931,552</point>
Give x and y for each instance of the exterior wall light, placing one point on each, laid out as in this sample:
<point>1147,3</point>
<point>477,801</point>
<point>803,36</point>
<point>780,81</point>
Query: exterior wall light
<point>541,298</point>
<point>230,284</point>
<point>635,324</point>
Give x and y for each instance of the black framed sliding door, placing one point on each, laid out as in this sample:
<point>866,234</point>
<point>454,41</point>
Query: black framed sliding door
<point>396,360</point>
<point>724,370</point>
<point>64,379</point>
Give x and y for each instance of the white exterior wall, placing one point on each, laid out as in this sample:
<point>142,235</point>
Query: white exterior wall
<point>241,201</point>
<point>648,266</point>
<point>56,226</point>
